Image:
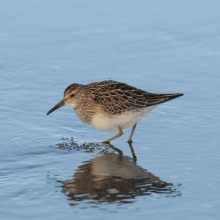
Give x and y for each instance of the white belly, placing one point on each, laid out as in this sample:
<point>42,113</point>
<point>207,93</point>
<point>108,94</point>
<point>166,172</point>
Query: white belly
<point>107,122</point>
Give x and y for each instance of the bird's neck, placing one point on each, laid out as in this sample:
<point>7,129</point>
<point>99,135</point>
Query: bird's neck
<point>84,111</point>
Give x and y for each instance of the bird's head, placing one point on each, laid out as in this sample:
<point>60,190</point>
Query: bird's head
<point>70,97</point>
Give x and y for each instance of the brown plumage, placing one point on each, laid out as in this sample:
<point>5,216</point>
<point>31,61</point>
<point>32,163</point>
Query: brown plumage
<point>117,97</point>
<point>110,105</point>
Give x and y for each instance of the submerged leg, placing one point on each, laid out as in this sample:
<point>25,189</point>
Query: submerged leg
<point>132,132</point>
<point>116,136</point>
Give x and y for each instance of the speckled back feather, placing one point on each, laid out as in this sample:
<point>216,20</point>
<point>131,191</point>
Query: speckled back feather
<point>117,97</point>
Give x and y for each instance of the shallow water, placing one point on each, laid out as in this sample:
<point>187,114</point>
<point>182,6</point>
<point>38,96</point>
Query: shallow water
<point>55,167</point>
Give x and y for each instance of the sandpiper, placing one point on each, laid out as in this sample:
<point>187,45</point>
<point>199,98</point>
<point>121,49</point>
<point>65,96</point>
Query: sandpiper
<point>110,105</point>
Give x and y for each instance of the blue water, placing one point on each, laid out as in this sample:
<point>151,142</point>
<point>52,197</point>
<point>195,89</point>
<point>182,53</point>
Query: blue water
<point>55,167</point>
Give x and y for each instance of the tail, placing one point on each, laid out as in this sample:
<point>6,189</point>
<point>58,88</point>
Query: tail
<point>172,96</point>
<point>155,98</point>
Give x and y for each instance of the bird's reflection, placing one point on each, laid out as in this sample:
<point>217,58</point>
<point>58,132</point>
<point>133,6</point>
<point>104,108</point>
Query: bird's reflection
<point>111,177</point>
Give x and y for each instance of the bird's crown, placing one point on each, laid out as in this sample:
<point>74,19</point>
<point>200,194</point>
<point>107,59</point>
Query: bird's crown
<point>71,88</point>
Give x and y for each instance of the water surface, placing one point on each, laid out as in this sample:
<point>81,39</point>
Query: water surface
<point>163,47</point>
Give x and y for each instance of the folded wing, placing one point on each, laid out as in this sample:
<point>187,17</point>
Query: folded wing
<point>116,97</point>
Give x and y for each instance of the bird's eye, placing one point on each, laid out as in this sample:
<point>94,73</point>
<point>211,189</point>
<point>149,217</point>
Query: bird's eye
<point>72,95</point>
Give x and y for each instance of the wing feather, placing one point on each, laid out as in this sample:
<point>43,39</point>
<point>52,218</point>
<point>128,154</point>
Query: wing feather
<point>116,97</point>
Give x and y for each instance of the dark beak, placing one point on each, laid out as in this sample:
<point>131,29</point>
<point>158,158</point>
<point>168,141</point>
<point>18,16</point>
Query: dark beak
<point>60,104</point>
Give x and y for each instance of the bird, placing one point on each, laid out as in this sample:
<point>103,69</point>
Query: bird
<point>110,105</point>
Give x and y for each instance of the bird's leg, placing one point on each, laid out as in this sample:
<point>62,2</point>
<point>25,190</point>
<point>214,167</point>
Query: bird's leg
<point>116,136</point>
<point>132,132</point>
